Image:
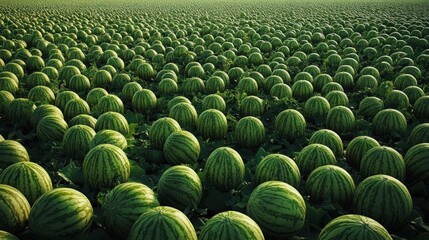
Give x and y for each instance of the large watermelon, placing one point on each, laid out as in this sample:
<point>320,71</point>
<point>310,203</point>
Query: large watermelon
<point>12,152</point>
<point>83,119</point>
<point>290,125</point>
<point>29,178</point>
<point>370,106</point>
<point>76,141</point>
<point>45,110</point>
<point>224,169</point>
<point>278,167</point>
<point>421,108</point>
<point>124,204</point>
<point>104,166</point>
<point>417,162</point>
<point>213,101</point>
<point>212,124</point>
<point>163,222</point>
<point>316,108</point>
<point>252,106</point>
<point>180,187</point>
<point>181,147</point>
<point>19,111</point>
<point>229,224</point>
<point>357,147</point>
<point>385,199</point>
<point>75,107</point>
<point>60,213</point>
<point>14,209</point>
<point>354,227</point>
<point>110,103</point>
<point>383,160</point>
<point>278,208</point>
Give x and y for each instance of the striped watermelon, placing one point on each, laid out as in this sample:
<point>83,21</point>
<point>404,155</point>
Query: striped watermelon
<point>278,208</point>
<point>45,110</point>
<point>404,80</point>
<point>144,101</point>
<point>104,166</point>
<point>7,236</point>
<point>337,98</point>
<point>79,83</point>
<point>160,130</point>
<point>14,209</point>
<point>181,147</point>
<point>163,222</point>
<point>330,139</point>
<point>60,213</point>
<point>124,204</point>
<point>281,90</point>
<point>249,132</point>
<point>67,72</point>
<point>176,100</point>
<point>29,178</point>
<point>145,71</point>
<point>114,121</point>
<point>420,134</point>
<point>119,81</point>
<point>340,119</point>
<point>354,227</point>
<point>345,79</point>
<point>331,86</point>
<point>383,160</point>
<point>12,152</point>
<point>180,187</point>
<point>370,106</point>
<point>19,111</point>
<point>278,167</point>
<point>248,85</point>
<point>366,82</point>
<point>421,108</point>
<point>314,155</point>
<point>413,93</point>
<point>9,85</point>
<point>316,108</point>
<point>185,114</point>
<point>224,169</point>
<point>168,86</point>
<point>212,124</point>
<point>64,97</point>
<point>129,90</point>
<point>51,129</point>
<point>110,103</point>
<point>83,119</point>
<point>302,90</point>
<point>193,86</point>
<point>213,101</point>
<point>290,125</point>
<point>330,183</point>
<point>385,199</point>
<point>5,98</point>
<point>95,95</point>
<point>417,162</point>
<point>357,148</point>
<point>38,78</point>
<point>270,81</point>
<point>252,106</point>
<point>75,107</point>
<point>76,141</point>
<point>108,136</point>
<point>321,80</point>
<point>224,225</point>
<point>215,84</point>
<point>101,78</point>
<point>389,122</point>
<point>41,95</point>
<point>396,99</point>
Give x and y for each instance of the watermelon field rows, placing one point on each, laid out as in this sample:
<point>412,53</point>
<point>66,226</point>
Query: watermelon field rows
<point>214,120</point>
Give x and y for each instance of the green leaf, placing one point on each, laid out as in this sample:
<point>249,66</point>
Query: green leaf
<point>315,215</point>
<point>136,172</point>
<point>71,174</point>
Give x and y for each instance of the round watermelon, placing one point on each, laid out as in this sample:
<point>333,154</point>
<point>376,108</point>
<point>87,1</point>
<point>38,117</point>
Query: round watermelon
<point>129,90</point>
<point>290,125</point>
<point>160,130</point>
<point>420,134</point>
<point>212,124</point>
<point>110,103</point>
<point>421,108</point>
<point>114,121</point>
<point>252,106</point>
<point>370,106</point>
<point>185,114</point>
<point>76,141</point>
<point>75,107</point>
<point>383,160</point>
<point>316,108</point>
<point>83,119</point>
<point>249,132</point>
<point>12,152</point>
<point>213,101</point>
<point>108,136</point>
<point>340,119</point>
<point>20,110</point>
<point>51,129</point>
<point>14,209</point>
<point>330,139</point>
<point>144,101</point>
<point>181,147</point>
<point>313,156</point>
<point>278,167</point>
<point>357,147</point>
<point>389,122</point>
<point>417,162</point>
<point>64,97</point>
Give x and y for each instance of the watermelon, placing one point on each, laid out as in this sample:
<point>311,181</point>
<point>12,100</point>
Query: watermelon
<point>110,103</point>
<point>215,84</point>
<point>7,236</point>
<point>124,204</point>
<point>101,78</point>
<point>14,209</point>
<point>64,97</point>
<point>35,63</point>
<point>76,141</point>
<point>331,86</point>
<point>95,95</point>
<point>417,162</point>
<point>19,111</point>
<point>370,106</point>
<point>321,80</point>
<point>249,132</point>
<point>5,98</point>
<point>357,148</point>
<point>404,80</point>
<point>278,208</point>
<point>41,95</point>
<point>168,86</point>
<point>330,183</point>
<point>104,166</point>
<point>224,169</point>
<point>281,90</point>
<point>79,83</point>
<point>213,101</point>
<point>302,90</point>
<point>314,155</point>
<point>185,114</point>
<point>29,178</point>
<point>180,187</point>
<point>114,121</point>
<point>385,199</point>
<point>270,81</point>
<point>193,86</point>
<point>51,129</point>
<point>162,222</point>
<point>129,90</point>
<point>278,167</point>
<point>421,108</point>
<point>83,119</point>
<point>290,125</point>
<point>389,122</point>
<point>330,139</point>
<point>248,85</point>
<point>12,152</point>
<point>107,136</point>
<point>224,225</point>
<point>383,160</point>
<point>396,99</point>
<point>144,101</point>
<point>337,98</point>
<point>252,106</point>
<point>9,85</point>
<point>75,107</point>
<point>420,134</point>
<point>345,79</point>
<point>212,124</point>
<point>160,130</point>
<point>413,93</point>
<point>67,72</point>
<point>366,82</point>
<point>145,71</point>
<point>181,147</point>
<point>316,108</point>
<point>354,227</point>
<point>340,119</point>
<point>120,80</point>
<point>176,100</point>
<point>60,213</point>
<point>45,110</point>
